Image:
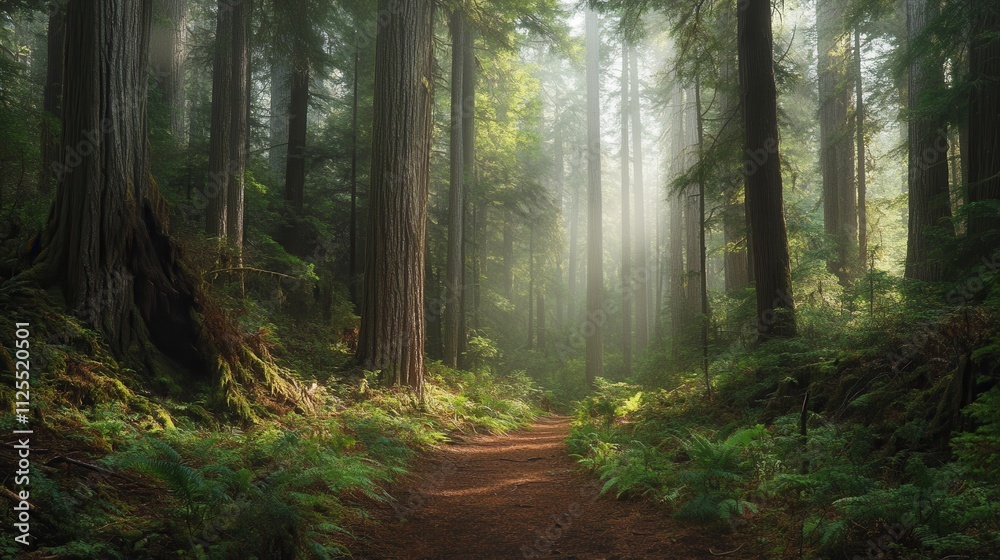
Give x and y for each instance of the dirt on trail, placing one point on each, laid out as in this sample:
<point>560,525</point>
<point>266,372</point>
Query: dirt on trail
<point>520,495</point>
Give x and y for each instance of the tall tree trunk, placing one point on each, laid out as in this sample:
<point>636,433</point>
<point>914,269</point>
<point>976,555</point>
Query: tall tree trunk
<point>167,59</point>
<point>595,253</point>
<point>227,157</point>
<point>281,97</point>
<point>641,242</point>
<point>540,329</point>
<point>352,259</point>
<point>107,245</point>
<point>573,260</point>
<point>559,170</point>
<point>52,100</point>
<point>984,116</point>
<point>859,131</point>
<point>734,220</point>
<point>702,248</point>
<point>836,141</point>
<point>769,238</point>
<point>470,278</point>
<point>692,217</point>
<point>678,309</point>
<point>626,271</point>
<point>454,281</point>
<point>295,160</point>
<point>929,202</point>
<point>508,255</point>
<point>392,315</point>
<point>432,308</point>
<point>530,343</point>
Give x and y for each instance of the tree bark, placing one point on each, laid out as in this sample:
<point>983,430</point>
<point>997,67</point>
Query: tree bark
<point>107,244</point>
<point>678,309</point>
<point>508,256</point>
<point>595,253</point>
<point>836,140</point>
<point>859,131</point>
<point>352,264</point>
<point>227,158</point>
<point>281,96</point>
<point>530,343</point>
<point>626,271</point>
<point>392,315</point>
<point>573,263</point>
<point>52,100</point>
<point>734,220</point>
<point>455,267</point>
<point>642,270</point>
<point>470,278</point>
<point>167,59</point>
<point>984,117</point>
<point>540,328</point>
<point>295,160</point>
<point>929,201</point>
<point>692,217</point>
<point>769,238</point>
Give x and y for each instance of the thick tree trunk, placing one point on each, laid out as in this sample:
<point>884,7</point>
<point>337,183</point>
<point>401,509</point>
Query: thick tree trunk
<point>227,158</point>
<point>52,100</point>
<point>643,272</point>
<point>352,259</point>
<point>929,202</point>
<point>769,238</point>
<point>470,278</point>
<point>167,59</point>
<point>295,159</point>
<point>626,271</point>
<point>454,281</point>
<point>595,266</point>
<point>859,142</point>
<point>836,140</point>
<point>392,315</point>
<point>984,117</point>
<point>107,244</point>
<point>281,96</point>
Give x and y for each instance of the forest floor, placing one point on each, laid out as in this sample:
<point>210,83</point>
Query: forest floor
<point>521,495</point>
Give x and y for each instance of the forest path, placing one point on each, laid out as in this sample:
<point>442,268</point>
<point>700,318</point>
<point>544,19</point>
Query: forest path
<point>520,495</point>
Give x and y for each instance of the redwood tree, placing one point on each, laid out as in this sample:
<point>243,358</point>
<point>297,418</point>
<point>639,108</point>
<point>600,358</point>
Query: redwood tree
<point>768,236</point>
<point>228,147</point>
<point>52,99</point>
<point>455,267</point>
<point>167,59</point>
<point>641,241</point>
<point>984,116</point>
<point>929,201</point>
<point>595,265</point>
<point>392,313</point>
<point>107,245</point>
<point>840,213</point>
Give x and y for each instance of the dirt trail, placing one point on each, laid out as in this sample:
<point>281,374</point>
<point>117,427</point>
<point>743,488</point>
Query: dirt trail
<point>521,496</point>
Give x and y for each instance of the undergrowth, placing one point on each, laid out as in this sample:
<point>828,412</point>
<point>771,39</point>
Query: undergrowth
<point>193,480</point>
<point>871,435</point>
